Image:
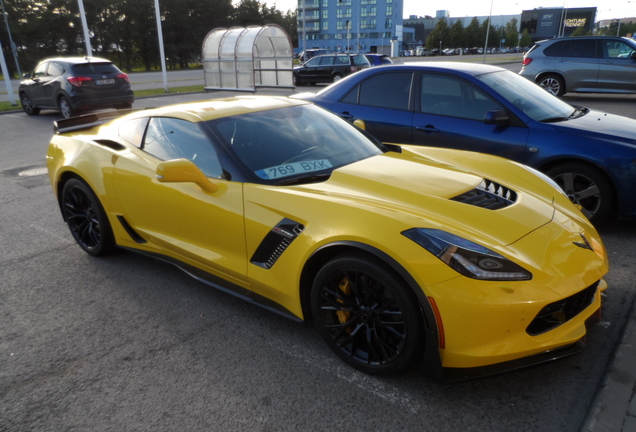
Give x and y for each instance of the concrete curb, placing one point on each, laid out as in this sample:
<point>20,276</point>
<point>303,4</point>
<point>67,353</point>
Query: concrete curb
<point>614,407</point>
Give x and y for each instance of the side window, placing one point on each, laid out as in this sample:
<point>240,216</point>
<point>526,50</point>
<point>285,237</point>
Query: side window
<point>326,61</point>
<point>617,49</point>
<point>585,48</point>
<point>55,69</point>
<point>388,90</point>
<point>342,60</point>
<point>133,130</point>
<point>360,60</point>
<point>555,49</point>
<point>168,138</point>
<point>313,62</point>
<point>351,97</point>
<point>452,97</point>
<point>40,70</point>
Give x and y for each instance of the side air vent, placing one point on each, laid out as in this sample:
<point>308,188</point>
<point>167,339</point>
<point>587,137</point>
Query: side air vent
<point>557,313</point>
<point>276,242</point>
<point>110,144</point>
<point>490,195</point>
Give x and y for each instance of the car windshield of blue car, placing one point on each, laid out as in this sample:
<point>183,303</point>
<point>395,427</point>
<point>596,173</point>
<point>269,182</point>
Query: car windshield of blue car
<point>294,144</point>
<point>528,97</point>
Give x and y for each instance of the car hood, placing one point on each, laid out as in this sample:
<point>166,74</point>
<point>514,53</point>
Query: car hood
<point>419,184</point>
<point>601,125</point>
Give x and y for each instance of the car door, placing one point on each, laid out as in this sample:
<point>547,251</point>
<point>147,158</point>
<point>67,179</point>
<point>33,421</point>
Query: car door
<point>579,61</point>
<point>450,113</point>
<point>308,72</point>
<point>618,67</point>
<point>38,79</point>
<point>199,226</point>
<point>383,102</point>
<point>52,84</point>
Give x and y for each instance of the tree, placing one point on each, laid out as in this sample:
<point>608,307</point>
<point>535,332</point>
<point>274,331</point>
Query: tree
<point>456,35</point>
<point>512,34</point>
<point>440,36</point>
<point>526,39</point>
<point>473,34</point>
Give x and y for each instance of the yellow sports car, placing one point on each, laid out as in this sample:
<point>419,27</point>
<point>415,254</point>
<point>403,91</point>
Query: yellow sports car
<point>464,263</point>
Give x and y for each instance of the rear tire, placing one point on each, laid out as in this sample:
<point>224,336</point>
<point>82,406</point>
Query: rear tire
<point>366,315</point>
<point>66,108</point>
<point>552,84</point>
<point>86,218</point>
<point>336,78</point>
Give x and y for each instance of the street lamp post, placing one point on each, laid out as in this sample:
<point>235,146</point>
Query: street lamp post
<point>15,55</point>
<point>487,31</point>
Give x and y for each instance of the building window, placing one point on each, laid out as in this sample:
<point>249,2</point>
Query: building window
<point>325,25</point>
<point>389,1</point>
<point>343,13</point>
<point>341,25</point>
<point>344,3</point>
<point>326,36</point>
<point>388,23</point>
<point>338,36</point>
<point>325,13</point>
<point>369,2</point>
<point>389,10</point>
<point>325,3</point>
<point>368,12</point>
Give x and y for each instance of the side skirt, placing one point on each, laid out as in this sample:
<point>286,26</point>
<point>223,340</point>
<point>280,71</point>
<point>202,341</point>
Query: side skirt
<point>221,284</point>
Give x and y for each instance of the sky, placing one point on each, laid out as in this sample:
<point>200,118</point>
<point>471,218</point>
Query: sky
<point>606,9</point>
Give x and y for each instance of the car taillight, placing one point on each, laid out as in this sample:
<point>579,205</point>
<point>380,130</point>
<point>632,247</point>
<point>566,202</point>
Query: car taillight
<point>526,61</point>
<point>77,81</point>
<point>124,77</point>
<point>354,68</point>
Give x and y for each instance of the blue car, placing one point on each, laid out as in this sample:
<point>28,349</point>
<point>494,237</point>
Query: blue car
<point>590,154</point>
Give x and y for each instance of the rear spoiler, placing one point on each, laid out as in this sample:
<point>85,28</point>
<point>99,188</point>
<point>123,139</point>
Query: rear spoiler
<point>87,121</point>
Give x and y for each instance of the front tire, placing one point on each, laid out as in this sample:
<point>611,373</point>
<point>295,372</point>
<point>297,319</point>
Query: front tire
<point>586,187</point>
<point>552,84</point>
<point>65,107</point>
<point>366,315</point>
<point>86,218</point>
<point>336,78</point>
<point>27,105</point>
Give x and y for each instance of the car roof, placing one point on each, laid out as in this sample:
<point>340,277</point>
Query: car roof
<point>78,60</point>
<point>218,108</point>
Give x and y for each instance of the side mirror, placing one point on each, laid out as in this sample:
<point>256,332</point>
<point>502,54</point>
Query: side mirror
<point>360,123</point>
<point>496,117</point>
<point>184,171</point>
<point>633,55</point>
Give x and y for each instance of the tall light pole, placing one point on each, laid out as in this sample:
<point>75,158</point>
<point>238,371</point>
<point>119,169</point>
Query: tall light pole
<point>161,51</point>
<point>87,37</point>
<point>487,31</point>
<point>15,55</point>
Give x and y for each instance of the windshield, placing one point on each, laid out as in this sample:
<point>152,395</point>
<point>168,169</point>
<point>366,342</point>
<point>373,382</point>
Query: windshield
<point>301,142</point>
<point>534,101</point>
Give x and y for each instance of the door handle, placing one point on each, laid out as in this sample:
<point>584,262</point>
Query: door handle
<point>427,128</point>
<point>346,115</point>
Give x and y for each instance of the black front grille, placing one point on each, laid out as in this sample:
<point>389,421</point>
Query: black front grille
<point>557,313</point>
<point>489,195</point>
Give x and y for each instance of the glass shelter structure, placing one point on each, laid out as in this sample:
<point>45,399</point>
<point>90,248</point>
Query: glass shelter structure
<point>244,59</point>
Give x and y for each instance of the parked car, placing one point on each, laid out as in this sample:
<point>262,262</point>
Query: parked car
<point>310,53</point>
<point>328,68</point>
<point>464,263</point>
<point>73,85</point>
<point>583,64</point>
<point>378,59</point>
<point>483,108</point>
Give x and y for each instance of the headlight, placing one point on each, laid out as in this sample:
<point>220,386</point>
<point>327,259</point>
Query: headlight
<point>468,258</point>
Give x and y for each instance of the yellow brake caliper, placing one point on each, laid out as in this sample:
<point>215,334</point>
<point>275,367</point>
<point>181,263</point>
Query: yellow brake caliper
<point>345,287</point>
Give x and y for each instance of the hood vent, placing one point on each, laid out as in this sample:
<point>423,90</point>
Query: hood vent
<point>488,194</point>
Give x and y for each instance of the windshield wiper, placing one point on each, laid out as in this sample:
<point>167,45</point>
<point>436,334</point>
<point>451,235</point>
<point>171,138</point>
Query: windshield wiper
<point>304,179</point>
<point>578,112</point>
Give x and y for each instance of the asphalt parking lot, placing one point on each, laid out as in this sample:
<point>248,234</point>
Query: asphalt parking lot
<point>129,344</point>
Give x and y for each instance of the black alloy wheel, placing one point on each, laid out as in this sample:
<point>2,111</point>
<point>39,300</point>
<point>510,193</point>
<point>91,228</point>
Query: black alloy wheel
<point>86,218</point>
<point>366,315</point>
<point>586,187</point>
<point>27,106</point>
<point>336,78</point>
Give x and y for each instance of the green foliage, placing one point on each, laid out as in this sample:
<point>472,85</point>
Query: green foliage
<point>125,31</point>
<point>441,33</point>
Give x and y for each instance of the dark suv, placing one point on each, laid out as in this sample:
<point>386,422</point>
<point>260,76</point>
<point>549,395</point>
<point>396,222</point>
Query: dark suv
<point>329,68</point>
<point>596,64</point>
<point>73,85</point>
